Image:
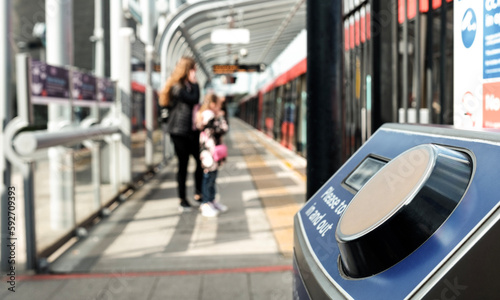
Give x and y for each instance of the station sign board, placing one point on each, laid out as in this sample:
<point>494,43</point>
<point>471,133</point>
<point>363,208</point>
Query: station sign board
<point>229,69</point>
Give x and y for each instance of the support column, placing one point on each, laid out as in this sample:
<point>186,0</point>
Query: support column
<point>149,147</point>
<point>324,92</point>
<point>99,71</point>
<point>117,21</point>
<point>163,9</point>
<point>124,104</point>
<point>23,119</point>
<point>147,9</point>
<point>59,21</point>
<point>99,64</point>
<point>112,155</point>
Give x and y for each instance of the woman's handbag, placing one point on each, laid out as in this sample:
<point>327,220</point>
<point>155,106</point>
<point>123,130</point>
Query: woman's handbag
<point>194,123</point>
<point>220,152</point>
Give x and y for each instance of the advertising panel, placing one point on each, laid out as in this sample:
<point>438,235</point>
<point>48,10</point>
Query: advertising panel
<point>84,88</point>
<point>106,91</point>
<point>491,67</point>
<point>49,84</point>
<point>477,64</point>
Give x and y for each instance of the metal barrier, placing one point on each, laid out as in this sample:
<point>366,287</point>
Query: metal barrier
<point>20,146</point>
<point>27,143</point>
<point>17,145</point>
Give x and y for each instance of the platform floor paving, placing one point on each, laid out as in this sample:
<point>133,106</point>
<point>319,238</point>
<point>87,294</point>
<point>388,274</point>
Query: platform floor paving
<point>147,249</point>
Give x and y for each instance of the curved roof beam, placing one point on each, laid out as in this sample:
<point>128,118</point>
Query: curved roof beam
<point>183,14</point>
<point>272,24</point>
<point>282,28</point>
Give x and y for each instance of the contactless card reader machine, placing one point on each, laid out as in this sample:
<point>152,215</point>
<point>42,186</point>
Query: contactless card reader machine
<point>411,215</point>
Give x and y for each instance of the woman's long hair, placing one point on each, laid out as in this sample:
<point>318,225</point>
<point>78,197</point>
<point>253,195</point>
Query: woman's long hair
<point>179,75</point>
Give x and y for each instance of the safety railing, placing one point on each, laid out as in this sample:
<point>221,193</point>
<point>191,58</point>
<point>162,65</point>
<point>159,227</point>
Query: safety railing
<point>113,134</point>
<point>27,143</point>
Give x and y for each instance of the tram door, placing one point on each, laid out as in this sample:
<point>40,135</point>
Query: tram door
<point>278,113</point>
<point>268,113</point>
<point>288,115</point>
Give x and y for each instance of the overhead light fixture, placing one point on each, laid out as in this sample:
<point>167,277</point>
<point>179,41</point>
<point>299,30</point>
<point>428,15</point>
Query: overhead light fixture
<point>230,36</point>
<point>243,52</point>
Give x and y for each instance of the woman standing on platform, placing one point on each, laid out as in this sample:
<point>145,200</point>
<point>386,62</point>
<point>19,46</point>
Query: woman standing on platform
<point>177,99</point>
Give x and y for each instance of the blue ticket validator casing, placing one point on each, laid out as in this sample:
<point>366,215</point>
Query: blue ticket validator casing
<point>413,214</point>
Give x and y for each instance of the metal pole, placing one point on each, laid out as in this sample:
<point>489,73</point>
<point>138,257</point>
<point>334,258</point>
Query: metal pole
<point>369,63</point>
<point>5,116</point>
<point>29,211</point>
<point>348,94</point>
<point>96,172</point>
<point>116,22</point>
<point>163,10</point>
<point>173,6</point>
<point>27,170</point>
<point>324,92</point>
<point>442,72</point>
<point>60,53</point>
<point>99,61</point>
<point>147,37</point>
<point>428,57</point>
<point>417,64</point>
<point>404,76</point>
<point>149,106</point>
<point>99,70</point>
<point>364,74</point>
<point>147,10</point>
<point>124,104</point>
<point>99,39</point>
<point>395,62</point>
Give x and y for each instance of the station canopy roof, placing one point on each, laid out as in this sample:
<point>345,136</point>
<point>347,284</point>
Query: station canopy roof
<point>272,24</point>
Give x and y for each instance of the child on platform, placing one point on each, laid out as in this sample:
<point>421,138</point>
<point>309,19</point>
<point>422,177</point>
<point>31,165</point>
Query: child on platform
<point>212,124</point>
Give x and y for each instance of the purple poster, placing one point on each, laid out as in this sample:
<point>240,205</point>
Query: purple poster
<point>105,91</point>
<point>49,84</point>
<point>84,88</point>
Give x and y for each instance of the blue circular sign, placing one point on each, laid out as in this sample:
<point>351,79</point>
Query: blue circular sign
<point>469,28</point>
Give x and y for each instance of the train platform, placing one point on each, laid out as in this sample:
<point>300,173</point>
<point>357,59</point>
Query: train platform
<point>147,249</point>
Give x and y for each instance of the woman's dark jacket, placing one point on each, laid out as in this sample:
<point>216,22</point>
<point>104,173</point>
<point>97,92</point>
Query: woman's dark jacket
<point>182,100</point>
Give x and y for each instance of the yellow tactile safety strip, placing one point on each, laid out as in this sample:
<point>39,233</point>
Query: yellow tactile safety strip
<point>283,160</point>
<point>279,206</point>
